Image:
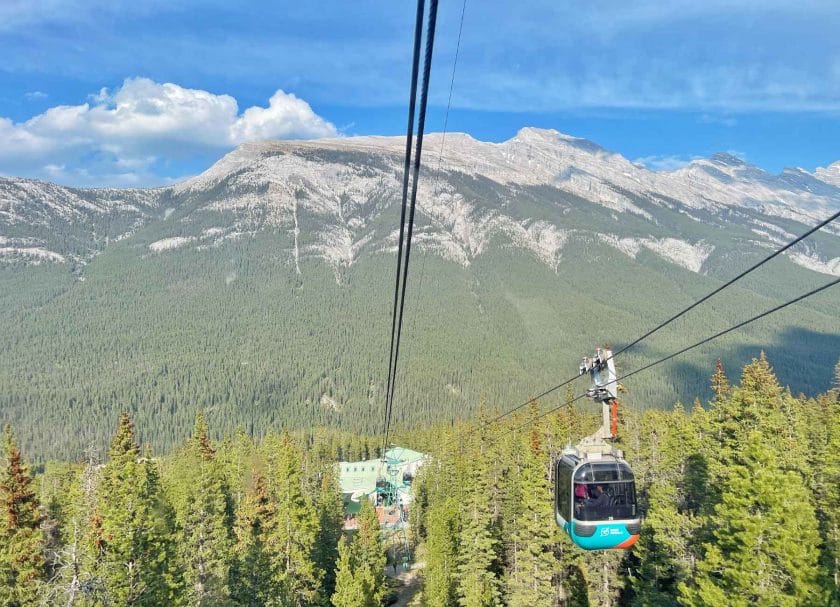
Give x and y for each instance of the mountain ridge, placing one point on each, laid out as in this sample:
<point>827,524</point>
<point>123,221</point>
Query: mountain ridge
<point>267,175</point>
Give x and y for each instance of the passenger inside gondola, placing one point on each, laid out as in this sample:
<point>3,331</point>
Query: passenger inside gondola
<point>581,494</point>
<point>601,503</point>
<point>603,491</point>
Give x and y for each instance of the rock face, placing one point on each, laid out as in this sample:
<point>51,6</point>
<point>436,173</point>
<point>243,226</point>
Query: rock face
<point>330,199</point>
<point>45,222</point>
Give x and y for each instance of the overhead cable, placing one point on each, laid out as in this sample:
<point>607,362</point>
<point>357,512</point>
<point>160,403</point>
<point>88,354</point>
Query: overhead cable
<point>415,68</point>
<point>729,282</point>
<point>421,125</point>
<point>682,351</point>
<point>661,325</point>
<point>422,273</point>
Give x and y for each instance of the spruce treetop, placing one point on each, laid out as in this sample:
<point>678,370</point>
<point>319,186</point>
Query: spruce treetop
<point>759,378</point>
<point>8,439</point>
<point>17,497</point>
<point>123,443</point>
<point>200,441</point>
<point>21,538</point>
<point>720,383</point>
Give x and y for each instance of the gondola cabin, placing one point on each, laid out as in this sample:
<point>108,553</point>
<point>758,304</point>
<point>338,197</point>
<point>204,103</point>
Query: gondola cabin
<point>595,500</point>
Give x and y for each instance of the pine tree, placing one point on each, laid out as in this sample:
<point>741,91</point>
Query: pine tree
<point>164,574</point>
<point>330,524</point>
<point>76,579</point>
<point>370,553</point>
<point>206,526</point>
<point>764,546</point>
<point>830,503</point>
<point>127,530</point>
<point>696,463</point>
<point>254,575</point>
<point>531,563</point>
<point>353,583</point>
<point>674,489</point>
<point>478,583</point>
<point>440,574</point>
<point>720,383</point>
<point>200,443</point>
<point>21,539</point>
<point>757,404</point>
<point>297,528</point>
<point>664,550</point>
<point>236,456</point>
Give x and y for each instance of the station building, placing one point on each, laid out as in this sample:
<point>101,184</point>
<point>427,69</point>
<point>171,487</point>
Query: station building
<point>386,483</point>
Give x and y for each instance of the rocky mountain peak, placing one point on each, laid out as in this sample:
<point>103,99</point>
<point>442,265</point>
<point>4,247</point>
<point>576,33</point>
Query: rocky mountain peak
<point>727,159</point>
<point>556,139</point>
<point>330,195</point>
<point>829,174</point>
<point>535,134</point>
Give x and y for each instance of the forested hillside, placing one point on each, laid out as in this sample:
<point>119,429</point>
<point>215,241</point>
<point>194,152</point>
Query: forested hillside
<point>740,503</point>
<point>259,291</point>
<point>167,336</point>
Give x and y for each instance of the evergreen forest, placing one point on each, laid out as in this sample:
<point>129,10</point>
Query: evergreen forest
<point>236,334</point>
<point>740,498</point>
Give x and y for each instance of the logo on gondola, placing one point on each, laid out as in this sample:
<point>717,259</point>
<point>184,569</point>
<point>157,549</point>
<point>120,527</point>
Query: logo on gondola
<point>605,531</point>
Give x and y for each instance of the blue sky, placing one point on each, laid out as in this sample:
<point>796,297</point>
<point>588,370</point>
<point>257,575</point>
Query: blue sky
<point>114,92</point>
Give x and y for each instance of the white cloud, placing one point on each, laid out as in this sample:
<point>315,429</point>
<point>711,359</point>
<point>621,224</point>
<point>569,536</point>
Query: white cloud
<point>285,117</point>
<point>124,133</point>
<point>35,95</point>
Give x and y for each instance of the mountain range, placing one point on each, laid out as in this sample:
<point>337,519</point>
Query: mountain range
<point>260,290</point>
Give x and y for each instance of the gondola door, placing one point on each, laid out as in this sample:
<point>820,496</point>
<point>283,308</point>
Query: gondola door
<point>563,502</point>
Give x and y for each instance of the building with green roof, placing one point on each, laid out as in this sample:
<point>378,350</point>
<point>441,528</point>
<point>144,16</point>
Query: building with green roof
<point>359,478</point>
<point>382,482</point>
